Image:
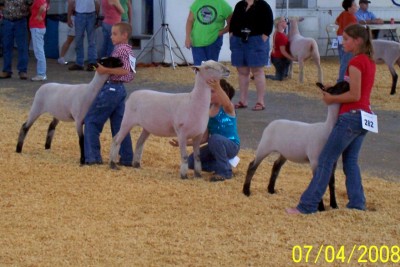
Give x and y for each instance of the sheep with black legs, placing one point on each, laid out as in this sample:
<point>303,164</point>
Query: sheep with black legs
<point>298,142</point>
<point>184,115</point>
<point>303,48</point>
<point>66,102</point>
<point>388,52</point>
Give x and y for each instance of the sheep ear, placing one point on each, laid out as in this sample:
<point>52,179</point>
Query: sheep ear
<point>195,69</point>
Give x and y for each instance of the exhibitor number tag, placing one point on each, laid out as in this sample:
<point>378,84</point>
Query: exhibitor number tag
<point>369,121</point>
<point>132,62</point>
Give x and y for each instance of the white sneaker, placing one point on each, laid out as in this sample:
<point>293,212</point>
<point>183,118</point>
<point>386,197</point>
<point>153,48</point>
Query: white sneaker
<point>62,61</point>
<point>39,78</point>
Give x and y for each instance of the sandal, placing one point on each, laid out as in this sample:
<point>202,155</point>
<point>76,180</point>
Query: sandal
<point>217,178</point>
<point>258,107</point>
<point>240,105</point>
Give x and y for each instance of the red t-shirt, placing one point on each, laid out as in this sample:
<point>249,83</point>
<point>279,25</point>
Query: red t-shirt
<point>343,20</point>
<point>367,68</point>
<point>33,21</point>
<point>280,39</point>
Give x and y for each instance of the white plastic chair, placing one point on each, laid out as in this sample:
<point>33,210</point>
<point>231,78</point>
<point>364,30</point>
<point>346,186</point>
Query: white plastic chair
<point>332,43</point>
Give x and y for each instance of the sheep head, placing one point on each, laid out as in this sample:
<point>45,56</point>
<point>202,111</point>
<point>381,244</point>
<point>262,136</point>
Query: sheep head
<point>338,89</point>
<point>211,69</point>
<point>111,62</point>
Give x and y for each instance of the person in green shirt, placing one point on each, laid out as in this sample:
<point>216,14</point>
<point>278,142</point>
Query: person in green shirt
<point>127,15</point>
<point>207,22</point>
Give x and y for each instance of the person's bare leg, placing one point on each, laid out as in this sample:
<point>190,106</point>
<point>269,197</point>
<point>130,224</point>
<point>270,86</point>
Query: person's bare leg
<point>66,45</point>
<point>259,81</point>
<point>244,79</point>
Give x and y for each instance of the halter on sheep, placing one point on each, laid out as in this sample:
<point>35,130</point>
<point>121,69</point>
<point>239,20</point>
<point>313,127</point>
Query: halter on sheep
<point>66,102</point>
<point>388,52</point>
<point>303,48</point>
<point>298,142</point>
<point>184,115</point>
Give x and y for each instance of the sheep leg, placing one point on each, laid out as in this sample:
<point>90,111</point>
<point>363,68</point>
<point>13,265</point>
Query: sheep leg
<point>332,194</point>
<point>82,148</point>
<point>394,79</point>
<point>275,172</point>
<point>290,71</point>
<point>50,133</point>
<point>22,134</point>
<point>79,130</point>
<point>196,155</point>
<point>249,175</point>
<point>137,156</point>
<point>184,157</point>
<point>115,146</point>
<point>301,71</point>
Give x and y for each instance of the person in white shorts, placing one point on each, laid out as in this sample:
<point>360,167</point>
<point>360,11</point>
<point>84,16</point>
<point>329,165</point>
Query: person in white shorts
<point>70,39</point>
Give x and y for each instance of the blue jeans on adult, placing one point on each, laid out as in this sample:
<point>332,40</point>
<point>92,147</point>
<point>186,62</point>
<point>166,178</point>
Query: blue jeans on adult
<point>108,46</point>
<point>216,154</point>
<point>15,29</point>
<point>345,139</point>
<point>344,58</point>
<point>37,36</point>
<point>85,22</point>
<point>205,53</point>
<point>109,104</point>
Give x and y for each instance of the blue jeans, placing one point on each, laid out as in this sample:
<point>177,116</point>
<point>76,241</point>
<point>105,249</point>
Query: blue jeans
<point>37,36</point>
<point>16,29</point>
<point>216,154</point>
<point>281,67</point>
<point>85,22</point>
<point>345,139</point>
<point>108,46</point>
<point>344,58</point>
<point>109,104</point>
<point>205,53</point>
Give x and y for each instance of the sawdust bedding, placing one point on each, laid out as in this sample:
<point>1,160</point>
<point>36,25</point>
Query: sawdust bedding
<point>56,213</point>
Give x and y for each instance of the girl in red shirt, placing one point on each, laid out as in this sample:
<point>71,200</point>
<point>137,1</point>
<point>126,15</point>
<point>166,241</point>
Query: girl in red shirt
<point>348,134</point>
<point>280,56</point>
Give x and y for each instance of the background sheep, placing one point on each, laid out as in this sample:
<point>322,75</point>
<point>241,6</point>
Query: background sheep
<point>298,142</point>
<point>303,48</point>
<point>66,102</point>
<point>388,52</point>
<point>183,115</point>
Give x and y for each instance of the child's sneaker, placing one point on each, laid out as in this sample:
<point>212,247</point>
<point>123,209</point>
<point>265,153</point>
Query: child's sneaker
<point>39,78</point>
<point>62,61</point>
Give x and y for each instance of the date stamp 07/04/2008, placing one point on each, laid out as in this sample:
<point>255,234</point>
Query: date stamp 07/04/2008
<point>346,254</point>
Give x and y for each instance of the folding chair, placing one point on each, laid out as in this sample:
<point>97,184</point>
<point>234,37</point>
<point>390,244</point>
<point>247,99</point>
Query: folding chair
<point>332,43</point>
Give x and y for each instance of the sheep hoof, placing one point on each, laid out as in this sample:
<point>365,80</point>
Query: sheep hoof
<point>246,191</point>
<point>197,175</point>
<point>184,177</point>
<point>271,191</point>
<point>113,165</point>
<point>136,165</point>
<point>19,149</point>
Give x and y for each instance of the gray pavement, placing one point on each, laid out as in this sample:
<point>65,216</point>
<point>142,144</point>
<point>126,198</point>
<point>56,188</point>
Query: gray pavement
<point>379,155</point>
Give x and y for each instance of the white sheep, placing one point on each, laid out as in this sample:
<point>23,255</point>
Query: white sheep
<point>388,52</point>
<point>184,115</point>
<point>66,102</point>
<point>303,48</point>
<point>298,142</point>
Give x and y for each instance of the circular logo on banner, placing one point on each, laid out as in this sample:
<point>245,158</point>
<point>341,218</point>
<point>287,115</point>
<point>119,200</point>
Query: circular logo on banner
<point>396,2</point>
<point>206,15</point>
